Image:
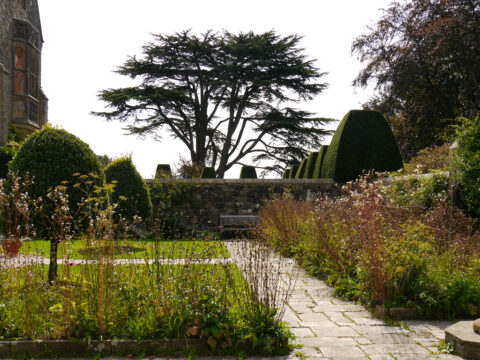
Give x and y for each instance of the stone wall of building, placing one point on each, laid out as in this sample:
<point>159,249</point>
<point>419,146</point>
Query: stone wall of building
<point>205,200</point>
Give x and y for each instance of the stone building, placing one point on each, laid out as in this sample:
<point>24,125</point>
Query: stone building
<point>22,101</point>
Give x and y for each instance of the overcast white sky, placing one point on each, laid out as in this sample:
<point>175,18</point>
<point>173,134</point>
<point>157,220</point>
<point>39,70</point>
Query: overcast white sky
<point>86,40</point>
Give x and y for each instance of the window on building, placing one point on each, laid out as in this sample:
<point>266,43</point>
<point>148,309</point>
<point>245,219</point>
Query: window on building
<point>20,69</point>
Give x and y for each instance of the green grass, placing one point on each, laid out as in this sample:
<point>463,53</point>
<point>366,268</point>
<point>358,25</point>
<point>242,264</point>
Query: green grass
<point>126,249</point>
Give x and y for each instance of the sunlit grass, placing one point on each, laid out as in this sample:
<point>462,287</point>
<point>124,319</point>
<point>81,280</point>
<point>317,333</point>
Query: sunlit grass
<point>126,249</point>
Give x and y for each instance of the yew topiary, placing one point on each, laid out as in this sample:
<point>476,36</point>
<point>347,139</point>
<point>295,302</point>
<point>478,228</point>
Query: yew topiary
<point>362,142</point>
<point>163,171</point>
<point>131,193</point>
<point>310,167</point>
<point>208,173</point>
<point>293,171</point>
<point>55,157</point>
<point>317,173</point>
<point>301,169</point>
<point>248,172</point>
<point>286,174</point>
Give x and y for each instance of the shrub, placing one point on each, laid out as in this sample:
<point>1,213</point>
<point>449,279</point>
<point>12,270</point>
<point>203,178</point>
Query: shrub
<point>7,152</point>
<point>248,172</point>
<point>468,137</point>
<point>293,171</point>
<point>301,169</point>
<point>55,157</point>
<point>310,167</point>
<point>362,142</point>
<point>163,171</point>
<point>131,193</point>
<point>429,159</point>
<point>286,174</point>
<point>208,173</point>
<point>317,172</point>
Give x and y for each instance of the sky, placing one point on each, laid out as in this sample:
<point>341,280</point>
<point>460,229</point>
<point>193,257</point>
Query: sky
<point>85,41</point>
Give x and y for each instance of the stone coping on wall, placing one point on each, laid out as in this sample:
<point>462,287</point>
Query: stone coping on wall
<point>326,182</point>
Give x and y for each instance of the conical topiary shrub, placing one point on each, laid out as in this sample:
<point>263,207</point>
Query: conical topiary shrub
<point>286,174</point>
<point>131,192</point>
<point>163,171</point>
<point>310,167</point>
<point>362,142</point>
<point>301,169</point>
<point>208,173</point>
<point>293,171</point>
<point>317,173</point>
<point>248,172</point>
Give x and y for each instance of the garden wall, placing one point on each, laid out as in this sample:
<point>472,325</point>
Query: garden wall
<point>207,199</point>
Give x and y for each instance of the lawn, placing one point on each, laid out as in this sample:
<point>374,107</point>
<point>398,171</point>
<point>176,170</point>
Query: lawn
<point>127,249</point>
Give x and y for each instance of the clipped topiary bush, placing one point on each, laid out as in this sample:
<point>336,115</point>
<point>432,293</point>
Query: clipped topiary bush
<point>310,167</point>
<point>55,157</point>
<point>131,192</point>
<point>286,174</point>
<point>248,172</point>
<point>208,173</point>
<point>362,142</point>
<point>301,169</point>
<point>317,173</point>
<point>163,171</point>
<point>293,171</point>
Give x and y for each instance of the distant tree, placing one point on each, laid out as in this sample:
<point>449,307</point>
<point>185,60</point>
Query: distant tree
<point>215,90</point>
<point>422,56</point>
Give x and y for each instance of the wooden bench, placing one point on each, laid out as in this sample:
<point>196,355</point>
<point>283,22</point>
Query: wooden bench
<point>237,222</point>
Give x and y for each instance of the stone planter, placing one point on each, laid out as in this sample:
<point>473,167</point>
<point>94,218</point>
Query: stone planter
<point>11,247</point>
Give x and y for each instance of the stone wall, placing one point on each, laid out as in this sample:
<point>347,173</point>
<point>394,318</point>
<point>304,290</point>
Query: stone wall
<point>206,199</point>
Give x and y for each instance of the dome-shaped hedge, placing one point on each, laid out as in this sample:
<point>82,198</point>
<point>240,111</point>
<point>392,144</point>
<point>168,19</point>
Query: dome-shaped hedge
<point>317,173</point>
<point>362,142</point>
<point>310,167</point>
<point>131,192</point>
<point>301,169</point>
<point>52,156</point>
<point>248,172</point>
<point>293,171</point>
<point>163,171</point>
<point>208,173</point>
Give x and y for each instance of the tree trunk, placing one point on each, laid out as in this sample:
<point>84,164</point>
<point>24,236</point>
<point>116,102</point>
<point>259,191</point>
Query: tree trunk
<point>52,269</point>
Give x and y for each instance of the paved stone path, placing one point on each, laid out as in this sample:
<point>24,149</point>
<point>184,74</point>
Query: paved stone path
<point>329,328</point>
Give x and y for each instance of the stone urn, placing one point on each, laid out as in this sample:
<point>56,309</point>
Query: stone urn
<point>476,326</point>
<point>11,247</point>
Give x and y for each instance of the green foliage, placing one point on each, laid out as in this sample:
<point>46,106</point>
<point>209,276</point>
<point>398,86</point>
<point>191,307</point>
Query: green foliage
<point>317,173</point>
<point>7,152</point>
<point>293,171</point>
<point>363,141</point>
<point>163,171</point>
<point>130,193</point>
<point>286,174</point>
<point>104,160</point>
<point>468,137</point>
<point>252,75</point>
<point>310,167</point>
<point>248,172</point>
<point>301,169</point>
<point>208,173</point>
<point>428,160</point>
<point>55,157</point>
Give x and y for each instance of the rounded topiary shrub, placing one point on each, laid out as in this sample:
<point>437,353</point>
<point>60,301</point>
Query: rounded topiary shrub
<point>55,157</point>
<point>317,172</point>
<point>5,158</point>
<point>293,171</point>
<point>208,173</point>
<point>286,174</point>
<point>301,169</point>
<point>248,172</point>
<point>130,193</point>
<point>163,171</point>
<point>310,167</point>
<point>363,141</point>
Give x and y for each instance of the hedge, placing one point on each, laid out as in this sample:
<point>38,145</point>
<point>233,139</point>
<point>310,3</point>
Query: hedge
<point>208,173</point>
<point>248,172</point>
<point>317,173</point>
